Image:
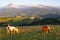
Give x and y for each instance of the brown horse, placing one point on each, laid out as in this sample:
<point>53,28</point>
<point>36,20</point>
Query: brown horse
<point>46,29</point>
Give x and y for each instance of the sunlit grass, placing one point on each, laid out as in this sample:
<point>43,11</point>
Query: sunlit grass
<point>31,33</point>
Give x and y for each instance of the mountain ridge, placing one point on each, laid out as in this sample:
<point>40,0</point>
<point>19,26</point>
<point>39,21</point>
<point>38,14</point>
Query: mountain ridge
<point>39,10</point>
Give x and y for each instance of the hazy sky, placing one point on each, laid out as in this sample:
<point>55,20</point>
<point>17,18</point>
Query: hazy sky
<point>30,2</point>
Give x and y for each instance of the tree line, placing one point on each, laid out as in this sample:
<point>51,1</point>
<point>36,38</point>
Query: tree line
<point>30,22</point>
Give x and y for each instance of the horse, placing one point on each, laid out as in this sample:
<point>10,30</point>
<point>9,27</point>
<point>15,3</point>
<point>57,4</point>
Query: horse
<point>46,29</point>
<point>12,29</point>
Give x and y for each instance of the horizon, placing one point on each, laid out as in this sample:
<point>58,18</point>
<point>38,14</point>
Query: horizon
<point>31,2</point>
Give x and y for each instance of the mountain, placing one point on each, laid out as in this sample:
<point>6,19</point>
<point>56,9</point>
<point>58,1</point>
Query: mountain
<point>12,10</point>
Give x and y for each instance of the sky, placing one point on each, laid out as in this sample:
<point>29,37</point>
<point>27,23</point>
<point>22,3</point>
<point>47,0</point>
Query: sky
<point>30,2</point>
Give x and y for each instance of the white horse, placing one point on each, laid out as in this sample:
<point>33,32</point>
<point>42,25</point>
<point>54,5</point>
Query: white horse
<point>12,29</point>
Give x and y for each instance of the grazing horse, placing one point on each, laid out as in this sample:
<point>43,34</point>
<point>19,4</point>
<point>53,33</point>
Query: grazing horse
<point>46,29</point>
<point>12,29</point>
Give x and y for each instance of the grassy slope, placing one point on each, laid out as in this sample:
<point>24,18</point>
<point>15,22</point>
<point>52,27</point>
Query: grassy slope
<point>31,33</point>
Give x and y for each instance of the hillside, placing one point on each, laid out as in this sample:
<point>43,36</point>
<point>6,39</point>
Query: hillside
<point>12,10</point>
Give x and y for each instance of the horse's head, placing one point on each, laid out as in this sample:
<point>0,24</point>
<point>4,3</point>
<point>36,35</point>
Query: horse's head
<point>8,26</point>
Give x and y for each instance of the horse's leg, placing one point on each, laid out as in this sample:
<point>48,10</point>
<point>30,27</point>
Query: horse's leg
<point>16,31</point>
<point>7,31</point>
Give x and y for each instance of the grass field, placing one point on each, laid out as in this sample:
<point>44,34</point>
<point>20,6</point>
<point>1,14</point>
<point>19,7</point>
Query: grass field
<point>31,33</point>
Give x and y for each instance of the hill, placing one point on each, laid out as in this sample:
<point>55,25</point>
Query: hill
<point>12,10</point>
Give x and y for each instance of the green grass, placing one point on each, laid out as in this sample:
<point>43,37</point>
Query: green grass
<point>31,33</point>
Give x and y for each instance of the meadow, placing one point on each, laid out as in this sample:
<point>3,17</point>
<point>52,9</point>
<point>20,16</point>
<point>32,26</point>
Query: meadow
<point>31,33</point>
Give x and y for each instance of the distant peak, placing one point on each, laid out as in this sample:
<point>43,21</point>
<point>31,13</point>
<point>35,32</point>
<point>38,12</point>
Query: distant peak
<point>13,5</point>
